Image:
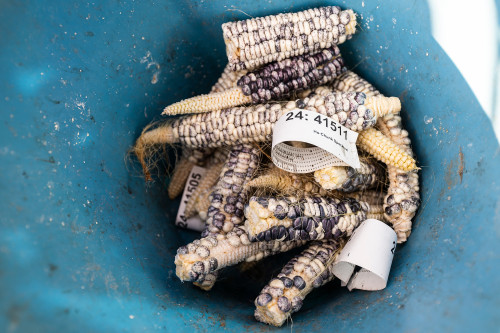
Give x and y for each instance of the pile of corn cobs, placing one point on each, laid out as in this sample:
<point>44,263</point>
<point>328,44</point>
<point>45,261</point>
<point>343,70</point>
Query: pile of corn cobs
<point>253,209</point>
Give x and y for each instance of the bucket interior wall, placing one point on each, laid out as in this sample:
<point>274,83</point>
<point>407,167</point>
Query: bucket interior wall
<point>86,246</point>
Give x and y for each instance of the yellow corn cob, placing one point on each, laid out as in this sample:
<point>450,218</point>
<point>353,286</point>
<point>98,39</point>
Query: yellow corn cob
<point>179,177</point>
<point>383,149</point>
<point>189,158</point>
<point>254,42</point>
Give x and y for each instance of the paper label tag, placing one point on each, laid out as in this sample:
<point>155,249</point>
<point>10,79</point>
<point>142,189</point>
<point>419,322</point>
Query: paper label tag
<point>371,247</point>
<point>192,183</point>
<point>335,144</point>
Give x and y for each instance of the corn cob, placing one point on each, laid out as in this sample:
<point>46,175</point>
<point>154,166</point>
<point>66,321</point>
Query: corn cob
<point>285,294</point>
<point>350,81</point>
<point>227,80</point>
<point>402,199</point>
<point>347,179</point>
<point>214,252</point>
<point>228,199</point>
<point>204,188</point>
<point>310,218</point>
<point>372,197</point>
<point>189,158</point>
<point>274,81</point>
<point>215,164</point>
<point>383,149</point>
<point>254,123</point>
<point>203,203</point>
<point>254,42</point>
<point>286,183</point>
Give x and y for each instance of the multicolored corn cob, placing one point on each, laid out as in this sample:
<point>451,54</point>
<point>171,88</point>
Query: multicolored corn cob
<point>274,81</point>
<point>254,42</point>
<point>255,123</point>
<point>212,253</point>
<point>347,179</point>
<point>228,200</point>
<point>308,218</point>
<point>403,199</point>
<point>285,294</point>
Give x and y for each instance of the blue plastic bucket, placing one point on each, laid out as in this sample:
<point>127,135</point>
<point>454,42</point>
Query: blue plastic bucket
<point>85,246</point>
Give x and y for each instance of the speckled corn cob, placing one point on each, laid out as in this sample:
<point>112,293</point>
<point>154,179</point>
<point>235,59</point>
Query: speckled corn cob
<point>189,158</point>
<point>350,81</point>
<point>285,294</point>
<point>254,123</point>
<point>348,179</point>
<point>254,42</point>
<point>274,81</point>
<point>310,218</point>
<point>210,254</point>
<point>286,183</point>
<point>383,149</point>
<point>403,197</point>
<point>227,80</point>
<point>228,200</point>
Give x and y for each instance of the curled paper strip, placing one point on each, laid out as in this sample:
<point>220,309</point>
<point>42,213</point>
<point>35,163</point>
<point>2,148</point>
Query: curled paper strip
<point>334,144</point>
<point>371,250</point>
<point>192,183</point>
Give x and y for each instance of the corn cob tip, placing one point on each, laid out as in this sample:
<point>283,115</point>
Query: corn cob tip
<point>208,102</point>
<point>350,28</point>
<point>383,149</point>
<point>331,178</point>
<point>381,105</point>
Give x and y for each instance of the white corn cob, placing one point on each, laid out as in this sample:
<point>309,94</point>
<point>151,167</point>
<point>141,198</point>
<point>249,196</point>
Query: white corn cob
<point>229,197</point>
<point>210,254</point>
<point>285,294</point>
<point>347,179</point>
<point>275,81</point>
<point>403,198</point>
<point>309,218</point>
<point>254,42</point>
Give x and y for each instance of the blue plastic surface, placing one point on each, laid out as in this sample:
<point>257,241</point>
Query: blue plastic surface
<point>86,246</point>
